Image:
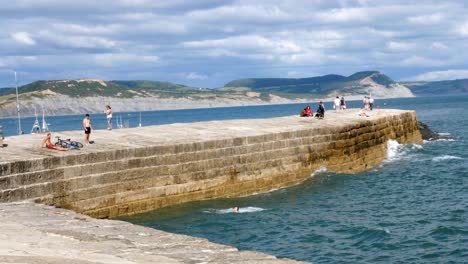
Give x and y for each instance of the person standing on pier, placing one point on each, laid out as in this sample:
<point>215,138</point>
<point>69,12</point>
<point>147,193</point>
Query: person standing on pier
<point>108,113</point>
<point>342,103</point>
<point>87,128</point>
<point>336,104</point>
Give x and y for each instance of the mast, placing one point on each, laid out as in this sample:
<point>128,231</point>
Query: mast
<point>19,130</point>
<point>139,124</point>
<point>36,128</point>
<point>45,128</point>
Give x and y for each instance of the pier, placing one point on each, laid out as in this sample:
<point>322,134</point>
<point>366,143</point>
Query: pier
<point>128,171</point>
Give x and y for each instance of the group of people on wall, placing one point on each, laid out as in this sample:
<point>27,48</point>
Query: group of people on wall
<point>46,142</point>
<point>339,104</point>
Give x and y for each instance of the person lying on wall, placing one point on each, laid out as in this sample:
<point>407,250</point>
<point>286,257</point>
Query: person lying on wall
<point>48,144</point>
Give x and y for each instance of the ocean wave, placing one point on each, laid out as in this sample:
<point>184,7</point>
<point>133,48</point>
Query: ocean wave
<point>397,151</point>
<point>444,134</point>
<point>446,157</point>
<point>319,170</point>
<point>370,235</point>
<point>392,149</point>
<point>242,210</point>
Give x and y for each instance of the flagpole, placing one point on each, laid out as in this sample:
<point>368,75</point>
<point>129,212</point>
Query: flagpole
<point>20,131</point>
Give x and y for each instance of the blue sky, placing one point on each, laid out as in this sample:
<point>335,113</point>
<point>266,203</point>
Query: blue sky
<point>206,43</point>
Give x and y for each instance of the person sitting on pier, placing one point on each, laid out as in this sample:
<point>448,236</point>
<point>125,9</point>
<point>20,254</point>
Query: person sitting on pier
<point>306,112</point>
<point>320,111</point>
<point>49,145</point>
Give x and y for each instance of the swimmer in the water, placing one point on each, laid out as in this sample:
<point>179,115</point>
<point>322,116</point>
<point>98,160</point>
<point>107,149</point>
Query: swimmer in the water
<point>236,209</point>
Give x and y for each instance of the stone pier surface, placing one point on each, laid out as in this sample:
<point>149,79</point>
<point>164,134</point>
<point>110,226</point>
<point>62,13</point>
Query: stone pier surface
<point>127,171</point>
<point>35,233</point>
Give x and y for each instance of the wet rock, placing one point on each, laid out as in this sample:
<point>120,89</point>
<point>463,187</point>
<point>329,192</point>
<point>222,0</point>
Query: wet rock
<point>428,134</point>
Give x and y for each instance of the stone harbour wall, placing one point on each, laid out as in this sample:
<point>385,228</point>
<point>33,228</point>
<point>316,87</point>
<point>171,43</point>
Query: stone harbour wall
<point>178,163</point>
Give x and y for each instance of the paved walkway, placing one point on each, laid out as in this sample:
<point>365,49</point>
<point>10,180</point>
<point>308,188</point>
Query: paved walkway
<point>29,146</point>
<point>34,233</point>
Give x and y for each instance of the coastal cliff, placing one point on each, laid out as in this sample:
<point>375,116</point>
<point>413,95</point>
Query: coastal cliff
<point>62,97</point>
<point>139,169</point>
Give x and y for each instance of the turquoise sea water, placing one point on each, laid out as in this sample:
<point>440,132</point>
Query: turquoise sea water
<point>411,209</point>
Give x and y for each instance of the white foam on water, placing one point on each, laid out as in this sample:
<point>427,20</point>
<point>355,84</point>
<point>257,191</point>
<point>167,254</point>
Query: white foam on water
<point>416,146</point>
<point>392,149</point>
<point>319,170</point>
<point>446,157</point>
<point>448,139</point>
<point>249,209</point>
<point>444,134</point>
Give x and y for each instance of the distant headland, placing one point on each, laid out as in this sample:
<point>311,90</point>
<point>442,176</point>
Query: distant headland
<point>61,97</point>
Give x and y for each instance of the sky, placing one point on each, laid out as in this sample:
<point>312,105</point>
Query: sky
<point>207,43</point>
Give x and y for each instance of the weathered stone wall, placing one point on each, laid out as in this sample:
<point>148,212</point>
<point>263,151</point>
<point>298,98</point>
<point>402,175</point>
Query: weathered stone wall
<point>136,179</point>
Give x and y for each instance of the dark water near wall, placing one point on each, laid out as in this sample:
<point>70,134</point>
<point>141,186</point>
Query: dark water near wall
<point>411,209</point>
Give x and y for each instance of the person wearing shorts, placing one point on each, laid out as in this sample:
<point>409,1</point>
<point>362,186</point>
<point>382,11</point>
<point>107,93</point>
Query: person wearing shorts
<point>108,113</point>
<point>87,128</point>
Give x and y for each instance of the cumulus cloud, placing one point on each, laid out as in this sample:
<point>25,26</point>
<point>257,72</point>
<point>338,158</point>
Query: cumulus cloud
<point>427,19</point>
<point>242,12</point>
<point>438,46</point>
<point>23,38</point>
<point>400,46</point>
<point>344,15</point>
<point>247,42</point>
<point>76,41</point>
<point>230,39</point>
<point>196,76</point>
<point>440,75</point>
<point>419,61</point>
<point>463,29</point>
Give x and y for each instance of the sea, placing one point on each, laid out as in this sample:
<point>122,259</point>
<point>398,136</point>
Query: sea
<point>413,208</point>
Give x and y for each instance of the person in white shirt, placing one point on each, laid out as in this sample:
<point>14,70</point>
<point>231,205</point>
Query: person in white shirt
<point>371,103</point>
<point>336,104</point>
<point>108,113</point>
<point>366,103</point>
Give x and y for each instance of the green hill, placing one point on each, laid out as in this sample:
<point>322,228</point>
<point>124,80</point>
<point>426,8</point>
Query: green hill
<point>439,88</point>
<point>262,88</point>
<point>314,86</point>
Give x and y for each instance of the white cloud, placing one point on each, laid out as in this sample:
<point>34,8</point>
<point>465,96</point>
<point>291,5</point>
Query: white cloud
<point>427,19</point>
<point>400,46</point>
<point>247,42</point>
<point>71,28</point>
<point>419,61</point>
<point>242,12</point>
<point>463,29</point>
<point>438,46</point>
<point>77,41</point>
<point>241,37</point>
<point>344,15</point>
<point>23,38</point>
<point>292,74</point>
<point>441,75</point>
<point>111,59</point>
<point>196,76</point>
